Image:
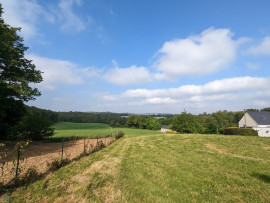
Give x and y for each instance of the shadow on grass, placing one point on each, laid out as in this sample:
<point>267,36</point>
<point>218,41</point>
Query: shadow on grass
<point>262,177</point>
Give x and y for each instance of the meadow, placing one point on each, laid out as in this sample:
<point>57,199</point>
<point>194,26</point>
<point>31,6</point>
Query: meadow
<point>148,166</point>
<point>70,130</point>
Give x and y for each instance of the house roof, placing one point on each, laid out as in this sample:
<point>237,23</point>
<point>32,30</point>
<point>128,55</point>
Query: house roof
<point>262,118</point>
<point>165,127</point>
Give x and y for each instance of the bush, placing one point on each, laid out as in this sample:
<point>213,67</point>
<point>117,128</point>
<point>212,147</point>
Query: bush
<point>240,131</point>
<point>172,132</point>
<point>119,134</point>
<point>57,163</point>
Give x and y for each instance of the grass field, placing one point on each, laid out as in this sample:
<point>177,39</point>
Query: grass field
<point>80,130</point>
<point>153,167</point>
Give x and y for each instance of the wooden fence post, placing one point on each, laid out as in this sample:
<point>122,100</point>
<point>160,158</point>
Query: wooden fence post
<point>18,160</point>
<point>62,150</point>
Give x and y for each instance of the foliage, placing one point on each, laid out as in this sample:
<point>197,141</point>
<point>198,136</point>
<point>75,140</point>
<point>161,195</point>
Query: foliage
<point>186,123</point>
<point>171,132</point>
<point>15,70</point>
<point>165,121</point>
<point>119,134</point>
<point>152,123</point>
<point>11,111</point>
<point>35,128</point>
<point>16,73</point>
<point>57,163</point>
<point>240,131</point>
<point>215,122</point>
<point>136,121</point>
<point>32,111</point>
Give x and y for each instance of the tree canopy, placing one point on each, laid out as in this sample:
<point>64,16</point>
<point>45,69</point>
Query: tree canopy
<point>16,74</point>
<point>186,123</point>
<point>15,70</point>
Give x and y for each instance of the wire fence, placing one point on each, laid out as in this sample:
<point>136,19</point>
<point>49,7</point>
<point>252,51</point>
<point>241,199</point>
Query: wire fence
<point>22,159</point>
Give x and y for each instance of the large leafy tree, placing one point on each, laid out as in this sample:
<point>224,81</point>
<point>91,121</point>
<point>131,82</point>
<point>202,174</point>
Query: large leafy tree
<point>186,123</point>
<point>16,75</point>
<point>152,123</point>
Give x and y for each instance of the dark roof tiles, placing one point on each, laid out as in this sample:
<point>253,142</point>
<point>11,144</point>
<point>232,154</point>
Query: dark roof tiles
<point>262,118</point>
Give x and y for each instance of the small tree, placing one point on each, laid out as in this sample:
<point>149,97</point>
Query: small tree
<point>186,123</point>
<point>152,123</point>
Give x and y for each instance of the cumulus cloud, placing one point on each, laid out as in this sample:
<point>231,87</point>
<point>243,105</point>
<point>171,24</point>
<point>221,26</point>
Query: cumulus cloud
<point>208,52</point>
<point>261,49</point>
<point>128,76</point>
<point>226,93</point>
<point>60,72</point>
<point>228,85</point>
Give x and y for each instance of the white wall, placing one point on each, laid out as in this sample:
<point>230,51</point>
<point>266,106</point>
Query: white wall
<point>248,120</point>
<point>263,132</point>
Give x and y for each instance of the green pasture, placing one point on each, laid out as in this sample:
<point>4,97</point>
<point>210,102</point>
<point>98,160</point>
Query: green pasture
<point>145,166</point>
<point>70,130</point>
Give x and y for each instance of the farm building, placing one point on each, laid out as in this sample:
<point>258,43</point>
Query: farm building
<point>259,121</point>
<point>164,128</point>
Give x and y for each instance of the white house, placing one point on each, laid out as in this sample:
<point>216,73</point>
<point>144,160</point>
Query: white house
<point>259,121</point>
<point>164,128</point>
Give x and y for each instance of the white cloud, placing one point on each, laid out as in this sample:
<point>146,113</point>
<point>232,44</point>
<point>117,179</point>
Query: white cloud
<point>158,100</point>
<point>229,85</point>
<point>208,52</point>
<point>128,76</point>
<point>60,72</point>
<point>230,93</point>
<point>24,14</point>
<point>28,15</point>
<point>70,21</point>
<point>261,49</point>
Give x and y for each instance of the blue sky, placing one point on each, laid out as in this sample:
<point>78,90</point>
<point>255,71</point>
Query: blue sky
<point>155,56</point>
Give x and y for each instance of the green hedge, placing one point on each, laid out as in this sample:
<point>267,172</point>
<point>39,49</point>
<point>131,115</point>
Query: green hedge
<point>240,131</point>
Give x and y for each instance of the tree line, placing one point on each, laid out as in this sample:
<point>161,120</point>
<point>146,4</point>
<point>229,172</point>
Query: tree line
<point>207,123</point>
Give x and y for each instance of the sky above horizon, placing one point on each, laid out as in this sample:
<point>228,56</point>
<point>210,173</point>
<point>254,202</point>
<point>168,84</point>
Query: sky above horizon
<point>155,56</point>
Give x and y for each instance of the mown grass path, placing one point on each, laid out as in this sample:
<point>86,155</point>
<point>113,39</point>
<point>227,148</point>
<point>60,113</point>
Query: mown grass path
<point>162,168</point>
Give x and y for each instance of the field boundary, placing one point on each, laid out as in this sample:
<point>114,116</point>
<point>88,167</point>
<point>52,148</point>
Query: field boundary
<point>19,163</point>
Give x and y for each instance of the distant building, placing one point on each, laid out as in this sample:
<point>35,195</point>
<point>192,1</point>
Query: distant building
<point>124,116</point>
<point>259,121</point>
<point>164,128</point>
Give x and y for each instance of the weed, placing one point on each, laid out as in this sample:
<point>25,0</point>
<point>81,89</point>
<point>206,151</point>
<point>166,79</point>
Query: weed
<point>119,134</point>
<point>57,163</point>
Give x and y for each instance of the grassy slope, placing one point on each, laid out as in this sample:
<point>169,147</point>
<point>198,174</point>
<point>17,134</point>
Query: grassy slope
<point>162,168</point>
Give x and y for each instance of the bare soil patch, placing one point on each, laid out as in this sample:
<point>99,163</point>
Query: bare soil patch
<point>214,147</point>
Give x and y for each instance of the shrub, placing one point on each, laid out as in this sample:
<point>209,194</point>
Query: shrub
<point>172,132</point>
<point>57,163</point>
<point>240,131</point>
<point>119,134</point>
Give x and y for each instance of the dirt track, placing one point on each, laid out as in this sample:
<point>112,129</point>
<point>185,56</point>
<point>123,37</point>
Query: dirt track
<point>40,155</point>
